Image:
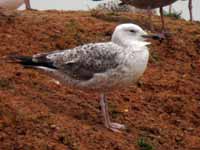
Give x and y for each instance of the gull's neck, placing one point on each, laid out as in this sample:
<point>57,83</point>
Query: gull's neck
<point>131,44</point>
<point>138,44</point>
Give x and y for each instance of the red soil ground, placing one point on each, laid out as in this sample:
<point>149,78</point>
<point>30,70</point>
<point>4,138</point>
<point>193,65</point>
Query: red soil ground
<point>163,108</point>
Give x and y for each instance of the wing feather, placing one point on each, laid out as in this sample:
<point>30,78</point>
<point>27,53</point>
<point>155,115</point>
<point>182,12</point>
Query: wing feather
<point>84,61</point>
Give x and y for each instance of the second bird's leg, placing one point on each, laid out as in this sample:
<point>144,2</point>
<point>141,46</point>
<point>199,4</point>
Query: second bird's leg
<point>110,125</point>
<point>28,5</point>
<point>162,18</point>
<point>190,10</point>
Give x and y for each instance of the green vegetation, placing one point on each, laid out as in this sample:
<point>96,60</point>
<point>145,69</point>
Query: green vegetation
<point>174,14</point>
<point>143,145</point>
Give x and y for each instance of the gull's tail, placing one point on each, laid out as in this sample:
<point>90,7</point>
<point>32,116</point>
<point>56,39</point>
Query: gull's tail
<point>23,60</point>
<point>29,61</point>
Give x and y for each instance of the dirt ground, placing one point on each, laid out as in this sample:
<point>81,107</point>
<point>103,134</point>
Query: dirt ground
<point>163,108</point>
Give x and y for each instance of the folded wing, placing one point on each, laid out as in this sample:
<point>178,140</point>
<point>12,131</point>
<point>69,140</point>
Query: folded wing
<point>80,63</point>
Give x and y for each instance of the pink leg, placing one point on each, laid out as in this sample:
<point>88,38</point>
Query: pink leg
<point>110,125</point>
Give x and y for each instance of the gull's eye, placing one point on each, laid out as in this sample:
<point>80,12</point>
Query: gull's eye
<point>132,31</point>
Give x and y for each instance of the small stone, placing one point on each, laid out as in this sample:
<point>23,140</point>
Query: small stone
<point>53,126</point>
<point>190,129</point>
<point>55,81</point>
<point>125,110</point>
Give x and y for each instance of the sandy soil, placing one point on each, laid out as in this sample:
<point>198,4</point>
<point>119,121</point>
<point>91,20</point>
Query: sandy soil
<point>163,108</point>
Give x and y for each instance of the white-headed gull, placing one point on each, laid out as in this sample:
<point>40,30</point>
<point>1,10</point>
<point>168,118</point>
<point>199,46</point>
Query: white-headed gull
<point>99,67</point>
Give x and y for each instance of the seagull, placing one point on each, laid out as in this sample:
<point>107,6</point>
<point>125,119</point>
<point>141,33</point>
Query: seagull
<point>14,4</point>
<point>99,67</point>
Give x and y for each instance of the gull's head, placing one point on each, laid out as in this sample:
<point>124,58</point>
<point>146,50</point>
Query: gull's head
<point>129,34</point>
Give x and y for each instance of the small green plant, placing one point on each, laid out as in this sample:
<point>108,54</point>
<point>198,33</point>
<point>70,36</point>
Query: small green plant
<point>143,145</point>
<point>174,14</point>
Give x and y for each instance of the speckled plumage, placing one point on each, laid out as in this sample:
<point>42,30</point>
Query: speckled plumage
<point>82,62</point>
<point>100,67</point>
<point>93,66</point>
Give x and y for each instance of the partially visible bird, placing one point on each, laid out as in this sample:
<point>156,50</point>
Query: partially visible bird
<point>150,4</point>
<point>7,6</point>
<point>99,67</point>
<point>14,4</point>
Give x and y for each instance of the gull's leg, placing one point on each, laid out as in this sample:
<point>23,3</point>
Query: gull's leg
<point>162,18</point>
<point>28,5</point>
<point>110,125</point>
<point>103,110</point>
<point>190,10</point>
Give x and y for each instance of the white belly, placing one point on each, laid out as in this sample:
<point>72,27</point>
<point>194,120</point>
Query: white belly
<point>11,4</point>
<point>139,64</point>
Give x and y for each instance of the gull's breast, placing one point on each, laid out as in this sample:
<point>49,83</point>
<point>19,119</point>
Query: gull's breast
<point>136,64</point>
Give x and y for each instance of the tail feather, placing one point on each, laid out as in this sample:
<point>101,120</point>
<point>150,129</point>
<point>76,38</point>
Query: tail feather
<point>24,60</point>
<point>29,61</point>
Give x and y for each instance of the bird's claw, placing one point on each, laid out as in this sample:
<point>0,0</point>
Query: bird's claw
<point>116,127</point>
